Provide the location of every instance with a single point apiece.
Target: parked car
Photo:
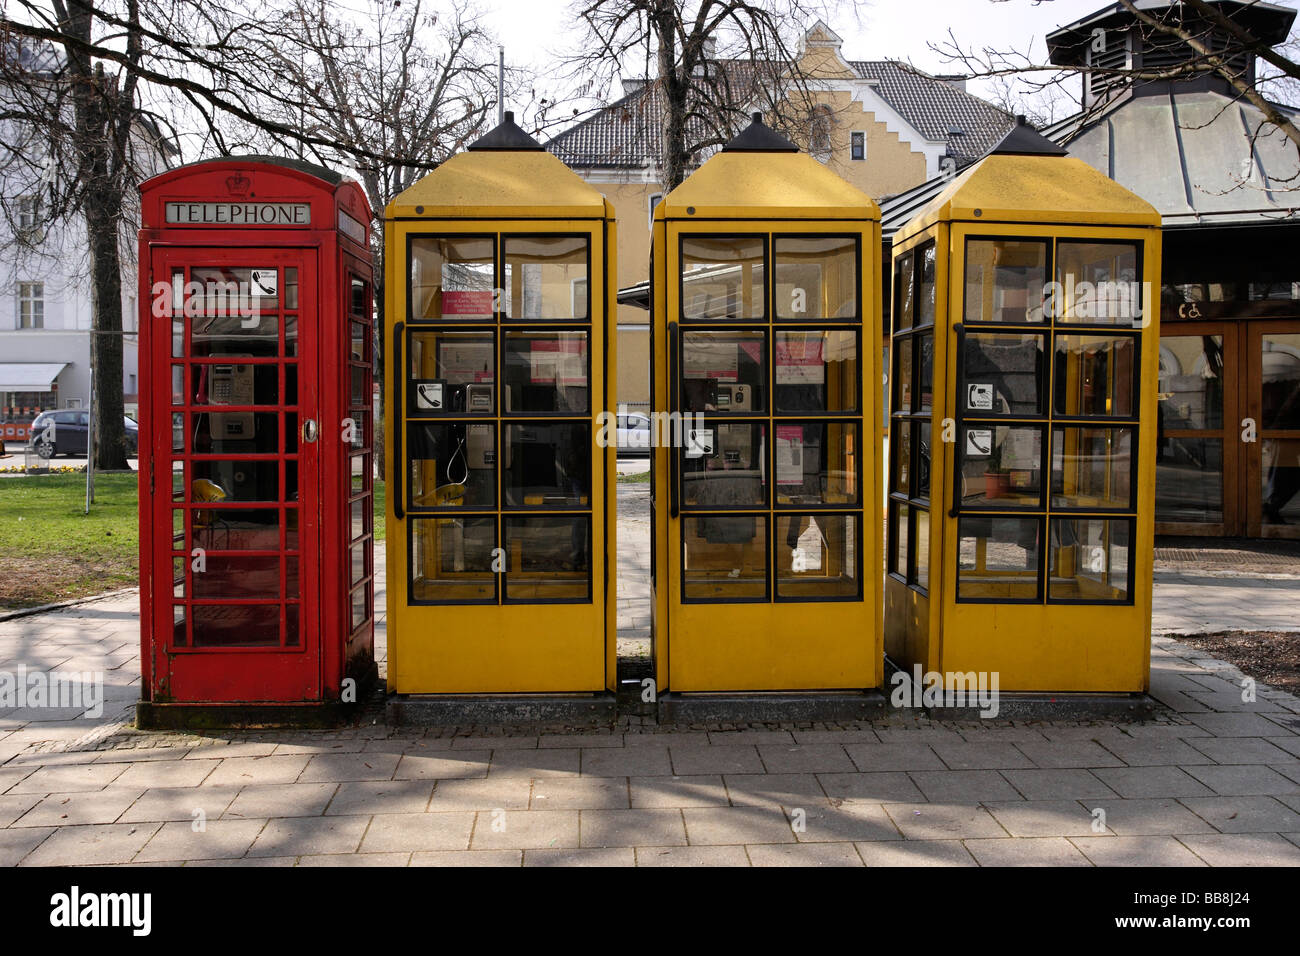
(633, 435)
(68, 436)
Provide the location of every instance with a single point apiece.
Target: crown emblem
(238, 183)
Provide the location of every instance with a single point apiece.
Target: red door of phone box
(256, 437)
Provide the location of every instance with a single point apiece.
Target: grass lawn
(50, 551)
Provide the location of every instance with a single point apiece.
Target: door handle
(674, 453)
(310, 431)
(959, 418)
(397, 372)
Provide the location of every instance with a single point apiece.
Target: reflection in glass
(1092, 468)
(819, 558)
(234, 480)
(1001, 466)
(1099, 282)
(899, 552)
(722, 277)
(904, 301)
(816, 463)
(900, 441)
(548, 558)
(1096, 375)
(452, 278)
(451, 559)
(1088, 560)
(902, 375)
(732, 474)
(922, 538)
(238, 577)
(816, 277)
(547, 465)
(921, 489)
(723, 371)
(546, 277)
(1189, 480)
(1191, 382)
(452, 372)
(1280, 459)
(816, 371)
(546, 372)
(242, 529)
(1280, 381)
(925, 370)
(1004, 373)
(234, 336)
(360, 552)
(235, 625)
(925, 286)
(724, 557)
(452, 465)
(997, 558)
(1005, 280)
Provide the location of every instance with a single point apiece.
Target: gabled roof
(625, 134)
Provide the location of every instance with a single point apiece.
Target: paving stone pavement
(1213, 780)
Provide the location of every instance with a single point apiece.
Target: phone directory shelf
(500, 507)
(1022, 427)
(257, 555)
(766, 537)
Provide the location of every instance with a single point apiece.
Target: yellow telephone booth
(1022, 428)
(766, 524)
(498, 311)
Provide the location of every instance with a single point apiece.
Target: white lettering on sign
(239, 213)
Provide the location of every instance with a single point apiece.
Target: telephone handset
(228, 384)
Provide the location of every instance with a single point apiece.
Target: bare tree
(1211, 38)
(714, 61)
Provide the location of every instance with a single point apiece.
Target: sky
(535, 31)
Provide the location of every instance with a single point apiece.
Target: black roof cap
(757, 138)
(1024, 140)
(507, 136)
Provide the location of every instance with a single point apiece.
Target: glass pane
(730, 473)
(292, 630)
(1099, 283)
(360, 510)
(1281, 478)
(362, 602)
(237, 577)
(452, 372)
(816, 463)
(1092, 468)
(900, 441)
(178, 481)
(243, 291)
(236, 625)
(921, 487)
(235, 433)
(925, 371)
(243, 529)
(547, 465)
(178, 431)
(903, 291)
(291, 335)
(360, 343)
(548, 558)
(921, 575)
(1088, 560)
(178, 577)
(724, 557)
(1005, 280)
(233, 336)
(819, 559)
(899, 552)
(291, 287)
(547, 372)
(452, 464)
(360, 469)
(1280, 380)
(451, 559)
(1004, 374)
(179, 636)
(233, 480)
(1191, 381)
(925, 287)
(816, 277)
(1096, 375)
(178, 338)
(722, 278)
(359, 300)
(546, 277)
(1001, 466)
(723, 371)
(997, 558)
(902, 375)
(452, 278)
(291, 575)
(1189, 480)
(359, 386)
(816, 371)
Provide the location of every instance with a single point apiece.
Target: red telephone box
(256, 439)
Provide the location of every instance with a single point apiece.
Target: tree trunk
(673, 128)
(106, 339)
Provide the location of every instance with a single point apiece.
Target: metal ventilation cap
(1024, 140)
(757, 138)
(507, 136)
